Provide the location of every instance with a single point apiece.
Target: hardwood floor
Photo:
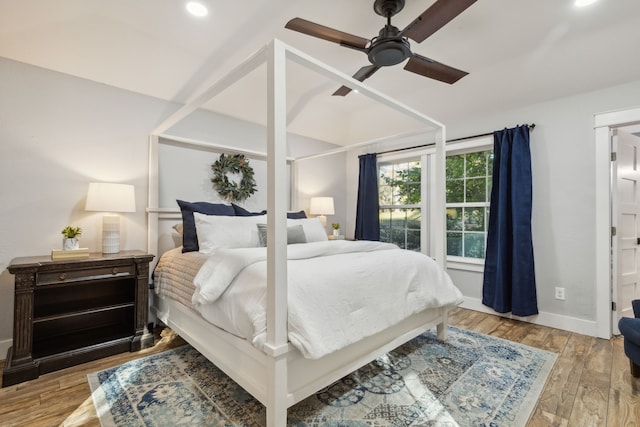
(590, 384)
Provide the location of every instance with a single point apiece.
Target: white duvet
(339, 291)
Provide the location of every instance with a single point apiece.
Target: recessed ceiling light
(197, 9)
(582, 3)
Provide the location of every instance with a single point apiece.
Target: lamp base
(111, 234)
(323, 220)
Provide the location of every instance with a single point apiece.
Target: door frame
(605, 123)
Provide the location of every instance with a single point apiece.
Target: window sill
(466, 264)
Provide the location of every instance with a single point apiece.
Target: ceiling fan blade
(435, 70)
(434, 18)
(316, 30)
(361, 75)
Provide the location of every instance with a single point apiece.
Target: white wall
(58, 133)
(563, 220)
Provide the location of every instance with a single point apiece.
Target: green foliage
(405, 184)
(233, 191)
(335, 226)
(70, 232)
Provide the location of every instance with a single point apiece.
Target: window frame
(427, 157)
(423, 158)
(471, 145)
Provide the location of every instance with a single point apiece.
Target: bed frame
(280, 376)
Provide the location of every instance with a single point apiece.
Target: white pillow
(218, 231)
(313, 228)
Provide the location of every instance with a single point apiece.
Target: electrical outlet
(560, 293)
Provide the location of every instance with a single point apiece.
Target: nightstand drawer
(65, 276)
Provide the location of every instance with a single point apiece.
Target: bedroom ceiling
(517, 52)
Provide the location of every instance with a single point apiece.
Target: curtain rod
(531, 126)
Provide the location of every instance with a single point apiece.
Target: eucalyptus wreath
(230, 190)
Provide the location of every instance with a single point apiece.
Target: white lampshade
(107, 197)
(321, 206)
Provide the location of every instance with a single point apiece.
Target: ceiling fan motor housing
(389, 48)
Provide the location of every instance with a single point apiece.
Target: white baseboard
(4, 348)
(571, 324)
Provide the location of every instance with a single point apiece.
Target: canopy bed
(274, 367)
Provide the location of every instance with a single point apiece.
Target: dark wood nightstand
(69, 312)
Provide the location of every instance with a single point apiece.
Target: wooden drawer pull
(62, 276)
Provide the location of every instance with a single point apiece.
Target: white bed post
(152, 198)
(439, 220)
(439, 223)
(277, 315)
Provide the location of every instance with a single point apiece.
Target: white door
(626, 211)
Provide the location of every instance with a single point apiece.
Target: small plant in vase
(70, 238)
(336, 228)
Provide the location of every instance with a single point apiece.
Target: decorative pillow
(178, 227)
(295, 234)
(189, 236)
(240, 211)
(296, 215)
(313, 229)
(218, 232)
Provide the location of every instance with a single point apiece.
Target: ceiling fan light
(197, 9)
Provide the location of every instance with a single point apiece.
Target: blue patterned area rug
(471, 380)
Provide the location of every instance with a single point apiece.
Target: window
(399, 187)
(468, 193)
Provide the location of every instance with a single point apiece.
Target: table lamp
(111, 199)
(321, 206)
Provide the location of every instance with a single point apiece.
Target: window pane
(385, 218)
(385, 170)
(474, 245)
(476, 190)
(455, 191)
(398, 237)
(398, 218)
(454, 244)
(454, 219)
(474, 219)
(455, 167)
(409, 193)
(476, 164)
(385, 195)
(415, 172)
(413, 240)
(413, 219)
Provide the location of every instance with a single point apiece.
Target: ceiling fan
(391, 46)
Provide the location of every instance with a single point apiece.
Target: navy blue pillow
(296, 215)
(240, 211)
(189, 235)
